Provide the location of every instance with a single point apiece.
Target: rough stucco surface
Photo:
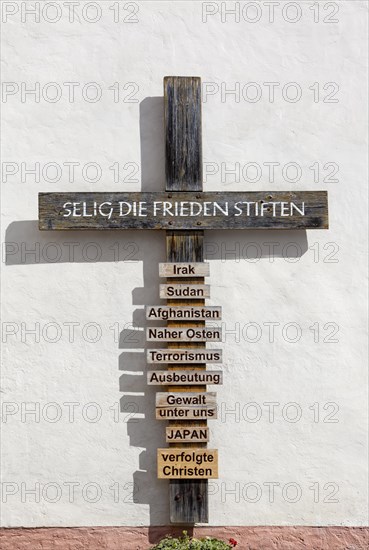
(291, 432)
(248, 538)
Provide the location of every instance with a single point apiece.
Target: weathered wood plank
(184, 210)
(185, 334)
(186, 434)
(184, 269)
(189, 313)
(183, 139)
(179, 463)
(180, 291)
(184, 356)
(188, 499)
(184, 377)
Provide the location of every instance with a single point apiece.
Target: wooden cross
(184, 211)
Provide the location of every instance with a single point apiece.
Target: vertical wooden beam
(183, 150)
(183, 143)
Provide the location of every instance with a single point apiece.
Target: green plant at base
(188, 543)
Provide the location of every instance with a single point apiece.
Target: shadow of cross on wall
(263, 210)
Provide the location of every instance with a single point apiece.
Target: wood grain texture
(188, 498)
(54, 215)
(183, 139)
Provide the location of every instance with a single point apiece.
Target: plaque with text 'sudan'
(180, 355)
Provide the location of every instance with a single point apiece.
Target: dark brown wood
(184, 211)
(183, 147)
(213, 210)
(188, 499)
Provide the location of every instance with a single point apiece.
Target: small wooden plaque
(183, 313)
(184, 356)
(187, 399)
(184, 377)
(187, 463)
(187, 434)
(183, 269)
(184, 334)
(185, 405)
(187, 292)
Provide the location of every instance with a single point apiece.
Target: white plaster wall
(102, 472)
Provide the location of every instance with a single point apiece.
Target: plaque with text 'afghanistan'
(184, 211)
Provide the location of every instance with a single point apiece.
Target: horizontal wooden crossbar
(184, 210)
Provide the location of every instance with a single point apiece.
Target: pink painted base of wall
(142, 538)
